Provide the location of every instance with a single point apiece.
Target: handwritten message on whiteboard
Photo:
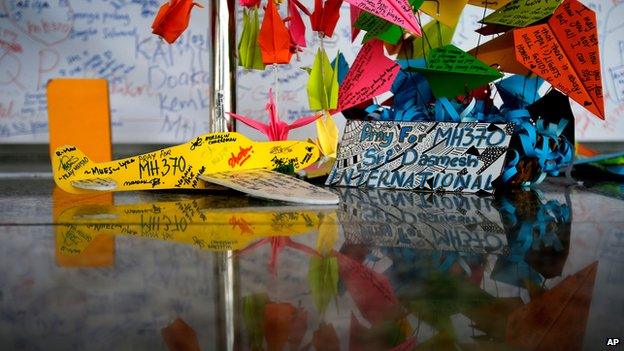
(462, 157)
(158, 92)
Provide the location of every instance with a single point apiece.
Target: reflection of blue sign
(431, 156)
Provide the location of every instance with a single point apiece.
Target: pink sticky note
(398, 12)
(371, 74)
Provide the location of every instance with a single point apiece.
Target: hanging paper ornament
(172, 19)
(323, 84)
(295, 25)
(274, 38)
(325, 16)
(249, 54)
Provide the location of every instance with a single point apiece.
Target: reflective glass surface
(383, 270)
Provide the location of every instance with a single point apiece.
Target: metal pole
(223, 92)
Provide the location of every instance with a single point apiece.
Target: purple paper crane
(276, 129)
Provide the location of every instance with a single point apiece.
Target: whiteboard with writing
(293, 101)
(158, 92)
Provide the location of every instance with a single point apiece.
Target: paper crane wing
(437, 35)
(323, 84)
(172, 19)
(521, 13)
(565, 53)
(447, 12)
(398, 12)
(274, 38)
(452, 72)
(371, 74)
(259, 126)
(296, 26)
(249, 54)
(500, 52)
(325, 16)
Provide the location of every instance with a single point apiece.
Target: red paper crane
(274, 38)
(276, 129)
(172, 19)
(325, 16)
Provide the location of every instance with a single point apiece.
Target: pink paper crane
(276, 129)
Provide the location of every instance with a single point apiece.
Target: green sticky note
(452, 72)
(521, 13)
(323, 84)
(249, 54)
(436, 34)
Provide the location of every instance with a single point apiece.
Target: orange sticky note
(79, 113)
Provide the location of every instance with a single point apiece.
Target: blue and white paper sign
(430, 156)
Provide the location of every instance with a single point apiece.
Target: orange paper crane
(274, 38)
(564, 51)
(172, 19)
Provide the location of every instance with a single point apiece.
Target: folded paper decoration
(500, 52)
(377, 27)
(295, 25)
(371, 74)
(323, 83)
(276, 129)
(172, 19)
(521, 13)
(399, 12)
(354, 13)
(178, 166)
(490, 4)
(274, 38)
(249, 54)
(564, 52)
(452, 72)
(325, 16)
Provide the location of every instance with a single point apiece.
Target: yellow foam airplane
(228, 159)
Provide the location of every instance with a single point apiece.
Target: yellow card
(177, 167)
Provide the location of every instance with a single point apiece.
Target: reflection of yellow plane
(186, 221)
(218, 155)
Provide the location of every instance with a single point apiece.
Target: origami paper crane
(276, 129)
(371, 74)
(249, 54)
(325, 16)
(278, 243)
(399, 12)
(564, 51)
(296, 28)
(521, 13)
(172, 19)
(452, 72)
(323, 83)
(274, 38)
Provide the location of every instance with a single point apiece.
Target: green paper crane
(323, 83)
(249, 54)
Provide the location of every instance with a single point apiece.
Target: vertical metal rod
(223, 92)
